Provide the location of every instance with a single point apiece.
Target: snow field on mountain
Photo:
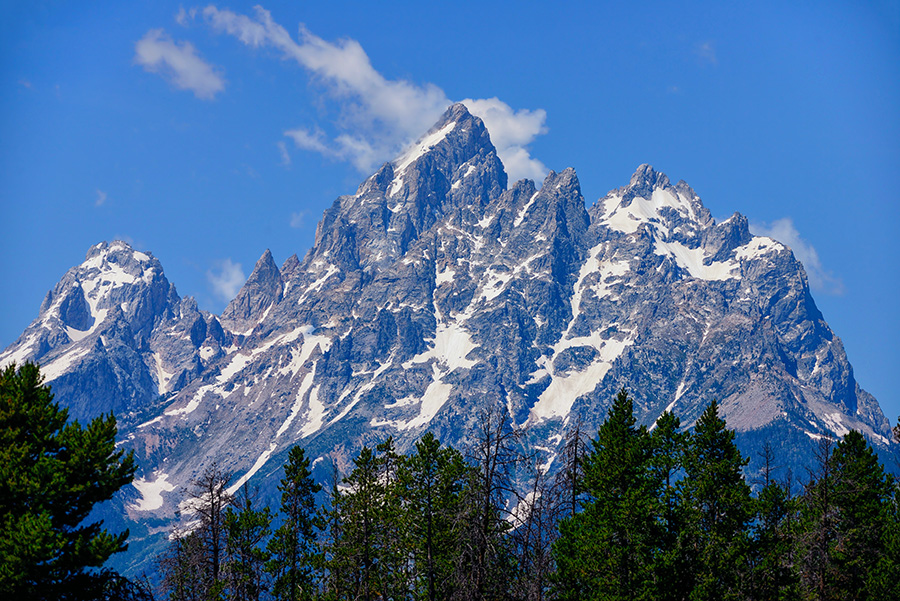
(414, 153)
(151, 492)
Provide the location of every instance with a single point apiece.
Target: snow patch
(298, 402)
(757, 247)
(414, 153)
(151, 492)
(692, 259)
(524, 210)
(451, 345)
(564, 389)
(260, 461)
(446, 275)
(834, 422)
(63, 363)
(162, 376)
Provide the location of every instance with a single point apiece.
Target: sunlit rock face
(440, 287)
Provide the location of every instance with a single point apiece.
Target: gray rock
(435, 290)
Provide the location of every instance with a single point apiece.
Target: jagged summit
(262, 289)
(454, 165)
(435, 290)
(650, 199)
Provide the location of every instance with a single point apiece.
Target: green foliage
(292, 547)
(246, 529)
(717, 509)
(773, 542)
(606, 552)
(433, 480)
(659, 514)
(862, 491)
(52, 473)
(671, 564)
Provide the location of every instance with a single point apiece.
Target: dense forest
(635, 513)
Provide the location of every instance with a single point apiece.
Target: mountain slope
(437, 289)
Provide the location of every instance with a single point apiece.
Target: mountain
(434, 290)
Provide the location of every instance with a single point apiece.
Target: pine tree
(52, 474)
(246, 528)
(718, 509)
(606, 552)
(771, 574)
(667, 465)
(883, 582)
(364, 559)
(292, 547)
(862, 497)
(433, 479)
(817, 532)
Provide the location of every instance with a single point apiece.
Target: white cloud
(784, 231)
(309, 140)
(101, 198)
(298, 220)
(707, 52)
(378, 117)
(511, 131)
(226, 279)
(177, 62)
(184, 17)
(283, 151)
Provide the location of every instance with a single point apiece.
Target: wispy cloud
(100, 199)
(783, 230)
(511, 131)
(225, 279)
(706, 51)
(179, 63)
(376, 117)
(298, 219)
(285, 155)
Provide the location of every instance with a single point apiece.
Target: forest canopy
(634, 513)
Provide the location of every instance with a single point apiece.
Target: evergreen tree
(363, 559)
(292, 547)
(246, 528)
(718, 509)
(862, 497)
(606, 552)
(772, 575)
(667, 466)
(52, 474)
(433, 479)
(883, 581)
(817, 532)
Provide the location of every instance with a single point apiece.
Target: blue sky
(208, 133)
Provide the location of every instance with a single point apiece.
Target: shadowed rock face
(262, 289)
(435, 289)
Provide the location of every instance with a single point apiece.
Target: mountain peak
(457, 137)
(262, 289)
(650, 198)
(453, 165)
(646, 177)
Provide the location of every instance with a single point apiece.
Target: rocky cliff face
(437, 289)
